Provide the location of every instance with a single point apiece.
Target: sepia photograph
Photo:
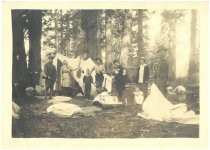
(105, 73)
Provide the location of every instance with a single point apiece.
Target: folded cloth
(59, 99)
(64, 110)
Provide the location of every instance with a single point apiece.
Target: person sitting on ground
(50, 73)
(99, 77)
(88, 80)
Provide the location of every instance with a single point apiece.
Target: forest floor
(112, 122)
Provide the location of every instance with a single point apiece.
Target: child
(88, 80)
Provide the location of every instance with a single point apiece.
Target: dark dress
(120, 80)
(88, 80)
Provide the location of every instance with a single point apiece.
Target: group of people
(68, 74)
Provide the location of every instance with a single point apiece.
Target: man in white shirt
(143, 76)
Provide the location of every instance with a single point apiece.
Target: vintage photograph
(105, 73)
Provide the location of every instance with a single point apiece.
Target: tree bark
(35, 32)
(140, 34)
(172, 52)
(56, 31)
(193, 73)
(89, 25)
(62, 40)
(126, 43)
(19, 66)
(108, 55)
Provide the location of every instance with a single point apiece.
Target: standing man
(161, 72)
(50, 73)
(143, 76)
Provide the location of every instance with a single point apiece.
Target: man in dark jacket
(143, 73)
(50, 73)
(120, 79)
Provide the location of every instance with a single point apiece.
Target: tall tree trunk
(172, 53)
(193, 73)
(140, 34)
(62, 40)
(126, 42)
(108, 50)
(56, 31)
(89, 25)
(19, 65)
(92, 35)
(35, 31)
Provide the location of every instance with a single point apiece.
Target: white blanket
(64, 109)
(157, 107)
(59, 99)
(105, 99)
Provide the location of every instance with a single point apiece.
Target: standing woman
(143, 76)
(66, 82)
(99, 77)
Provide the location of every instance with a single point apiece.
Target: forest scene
(126, 36)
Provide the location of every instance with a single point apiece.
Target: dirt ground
(112, 122)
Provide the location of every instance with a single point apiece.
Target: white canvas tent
(157, 107)
(84, 64)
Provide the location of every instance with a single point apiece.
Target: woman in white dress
(66, 81)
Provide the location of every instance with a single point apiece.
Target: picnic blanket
(157, 107)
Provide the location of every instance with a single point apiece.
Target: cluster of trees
(109, 34)
(26, 25)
